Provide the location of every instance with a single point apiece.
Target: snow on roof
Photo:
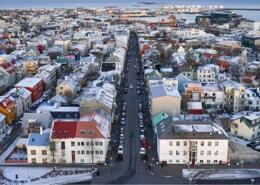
(23, 92)
(212, 88)
(159, 90)
(55, 108)
(28, 82)
(36, 139)
(2, 117)
(203, 128)
(194, 106)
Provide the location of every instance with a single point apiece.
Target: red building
(35, 85)
(195, 108)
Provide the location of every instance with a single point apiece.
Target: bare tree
(53, 150)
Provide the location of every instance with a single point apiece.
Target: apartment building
(191, 142)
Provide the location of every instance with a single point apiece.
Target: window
(202, 143)
(87, 152)
(216, 153)
(216, 143)
(177, 152)
(33, 160)
(78, 152)
(44, 160)
(82, 160)
(82, 152)
(72, 143)
(184, 153)
(170, 152)
(44, 152)
(97, 152)
(177, 143)
(87, 143)
(63, 153)
(201, 161)
(78, 143)
(209, 143)
(201, 152)
(101, 152)
(63, 145)
(96, 143)
(170, 143)
(101, 143)
(185, 143)
(209, 153)
(82, 143)
(33, 152)
(215, 161)
(177, 161)
(208, 161)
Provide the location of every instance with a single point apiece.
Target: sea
(50, 4)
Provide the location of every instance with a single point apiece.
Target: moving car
(120, 149)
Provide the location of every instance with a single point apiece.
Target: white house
(38, 148)
(207, 73)
(246, 125)
(213, 96)
(164, 99)
(191, 142)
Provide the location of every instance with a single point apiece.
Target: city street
(132, 169)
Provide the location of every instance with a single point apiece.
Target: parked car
(142, 137)
(142, 151)
(144, 144)
(121, 136)
(120, 149)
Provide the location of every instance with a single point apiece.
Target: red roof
(7, 67)
(88, 130)
(6, 102)
(64, 129)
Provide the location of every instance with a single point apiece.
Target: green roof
(62, 60)
(159, 117)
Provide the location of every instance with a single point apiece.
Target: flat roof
(28, 82)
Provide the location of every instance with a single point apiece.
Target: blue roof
(36, 139)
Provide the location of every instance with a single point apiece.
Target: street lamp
(252, 181)
(111, 164)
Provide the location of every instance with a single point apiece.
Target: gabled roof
(36, 139)
(64, 129)
(88, 130)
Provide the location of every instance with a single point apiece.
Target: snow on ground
(44, 175)
(218, 174)
(24, 173)
(9, 150)
(238, 140)
(62, 180)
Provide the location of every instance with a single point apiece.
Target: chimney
(41, 131)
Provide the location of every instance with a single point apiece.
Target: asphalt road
(132, 170)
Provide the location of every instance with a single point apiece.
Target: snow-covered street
(220, 174)
(43, 175)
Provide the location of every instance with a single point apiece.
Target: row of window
(43, 152)
(87, 143)
(202, 143)
(44, 160)
(185, 152)
(201, 161)
(88, 152)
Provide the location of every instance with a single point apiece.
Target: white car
(121, 136)
(142, 151)
(131, 86)
(120, 149)
(142, 137)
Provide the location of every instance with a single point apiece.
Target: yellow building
(8, 108)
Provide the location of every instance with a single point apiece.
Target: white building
(38, 148)
(213, 96)
(250, 25)
(164, 99)
(2, 123)
(191, 142)
(207, 73)
(246, 125)
(234, 96)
